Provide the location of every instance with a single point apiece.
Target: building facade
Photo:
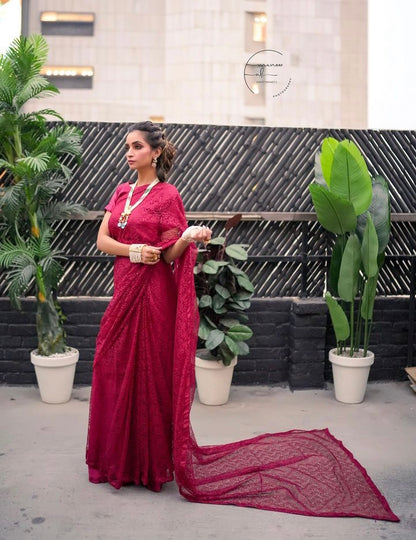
(295, 63)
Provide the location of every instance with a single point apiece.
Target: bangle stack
(135, 252)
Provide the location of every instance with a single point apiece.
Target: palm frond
(17, 253)
(6, 97)
(27, 55)
(45, 112)
(37, 163)
(19, 278)
(52, 272)
(40, 45)
(63, 210)
(68, 140)
(12, 198)
(49, 185)
(7, 81)
(36, 87)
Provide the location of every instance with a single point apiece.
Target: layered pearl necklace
(124, 216)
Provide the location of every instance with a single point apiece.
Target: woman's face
(139, 153)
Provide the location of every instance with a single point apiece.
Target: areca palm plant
(36, 162)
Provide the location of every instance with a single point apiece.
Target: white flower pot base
(350, 376)
(213, 380)
(55, 375)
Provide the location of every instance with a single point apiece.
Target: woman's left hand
(197, 233)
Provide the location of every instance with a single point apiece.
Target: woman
(130, 432)
(143, 379)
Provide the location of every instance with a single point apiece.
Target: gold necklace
(124, 216)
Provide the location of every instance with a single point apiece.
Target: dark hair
(155, 137)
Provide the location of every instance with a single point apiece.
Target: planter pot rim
(213, 364)
(69, 357)
(351, 361)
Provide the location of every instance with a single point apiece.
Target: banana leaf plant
(223, 292)
(355, 208)
(36, 162)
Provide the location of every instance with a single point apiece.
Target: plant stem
(51, 336)
(352, 328)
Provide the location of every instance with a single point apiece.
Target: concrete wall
(290, 343)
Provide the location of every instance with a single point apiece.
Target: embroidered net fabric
(143, 388)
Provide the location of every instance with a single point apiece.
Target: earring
(154, 162)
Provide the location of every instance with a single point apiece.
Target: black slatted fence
(261, 172)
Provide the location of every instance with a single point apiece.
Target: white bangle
(135, 252)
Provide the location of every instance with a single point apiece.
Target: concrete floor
(45, 493)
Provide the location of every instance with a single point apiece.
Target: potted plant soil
(36, 162)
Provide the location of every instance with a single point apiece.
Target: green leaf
(242, 295)
(338, 318)
(319, 177)
(214, 339)
(37, 163)
(232, 345)
(241, 305)
(212, 267)
(210, 323)
(237, 271)
(226, 354)
(335, 264)
(350, 178)
(350, 268)
(236, 251)
(222, 291)
(334, 214)
(218, 303)
(229, 322)
(243, 348)
(380, 213)
(240, 332)
(204, 329)
(205, 301)
(369, 248)
(369, 294)
(245, 283)
(218, 241)
(329, 146)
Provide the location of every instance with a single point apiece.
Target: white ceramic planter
(55, 375)
(350, 375)
(213, 380)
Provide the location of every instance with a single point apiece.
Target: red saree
(143, 388)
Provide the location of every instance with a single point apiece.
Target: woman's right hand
(150, 255)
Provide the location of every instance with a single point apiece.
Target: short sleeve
(113, 201)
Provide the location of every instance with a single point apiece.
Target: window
(56, 23)
(259, 27)
(69, 76)
(255, 31)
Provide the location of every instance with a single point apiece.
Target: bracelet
(135, 252)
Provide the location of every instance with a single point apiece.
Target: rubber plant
(224, 292)
(36, 161)
(355, 208)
